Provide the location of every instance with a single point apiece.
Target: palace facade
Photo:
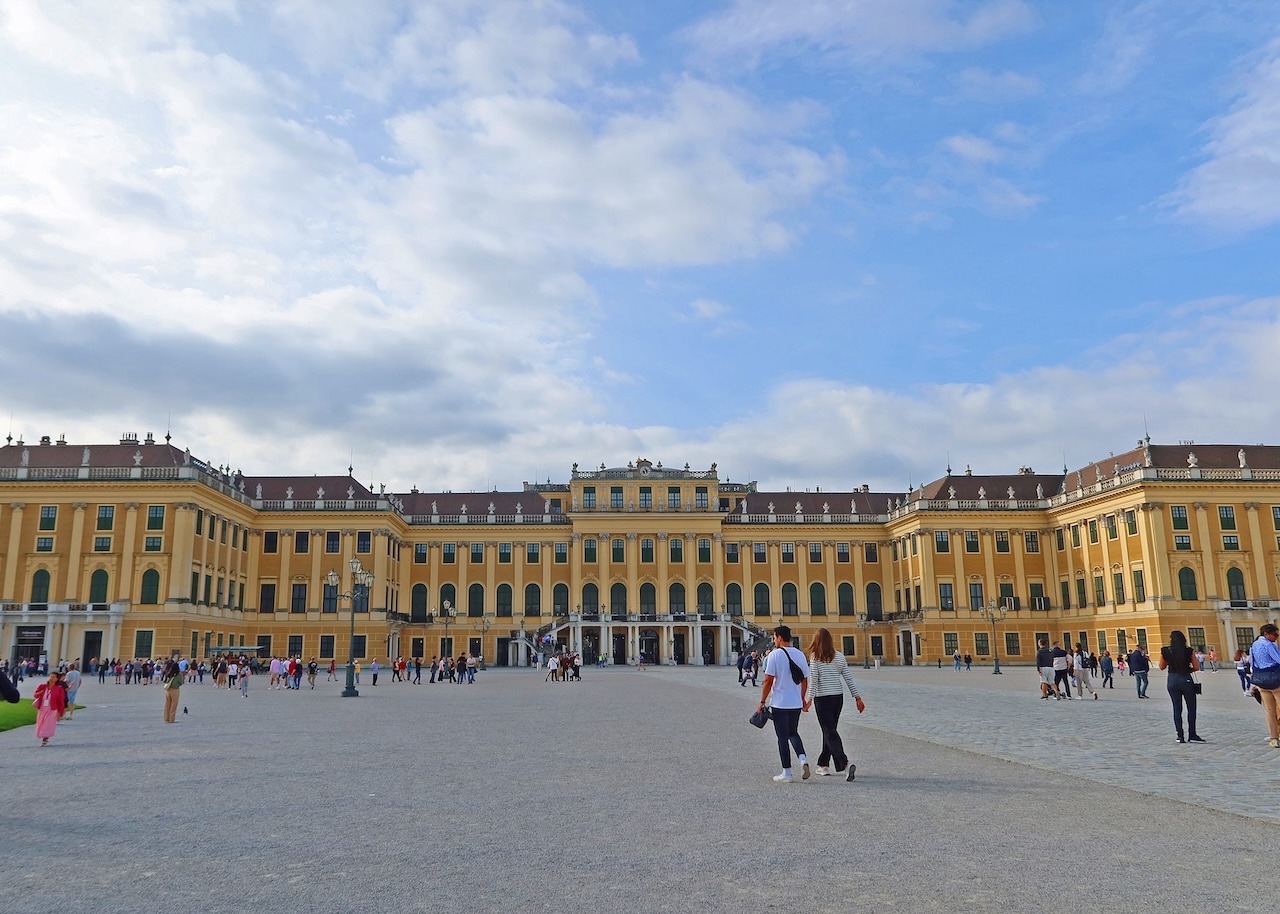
(139, 549)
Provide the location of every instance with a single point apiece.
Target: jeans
(828, 708)
(1141, 679)
(786, 724)
(1106, 681)
(1244, 680)
(1183, 688)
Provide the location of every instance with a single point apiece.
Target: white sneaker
(785, 778)
(823, 771)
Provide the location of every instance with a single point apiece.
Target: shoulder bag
(1267, 677)
(761, 717)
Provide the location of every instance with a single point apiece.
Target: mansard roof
(1176, 456)
(66, 456)
(968, 487)
(305, 488)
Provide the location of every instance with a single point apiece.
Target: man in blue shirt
(1140, 666)
(1265, 655)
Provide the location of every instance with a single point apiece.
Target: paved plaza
(643, 790)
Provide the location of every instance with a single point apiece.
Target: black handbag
(762, 716)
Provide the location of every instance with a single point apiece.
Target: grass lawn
(22, 714)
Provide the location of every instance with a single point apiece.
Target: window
(1187, 589)
(1112, 531)
(477, 553)
(615, 497)
(475, 601)
(704, 550)
(532, 600)
(1226, 517)
(788, 553)
(1075, 536)
(733, 599)
(1082, 593)
(142, 642)
(870, 554)
(358, 646)
(760, 553)
(333, 543)
(560, 599)
(448, 553)
(419, 553)
(1002, 541)
(503, 598)
(364, 542)
(1099, 590)
(790, 600)
(701, 498)
(326, 647)
(976, 599)
(971, 541)
(1235, 587)
(329, 599)
(706, 599)
(946, 598)
(49, 521)
(106, 517)
(1182, 542)
(1031, 539)
(267, 598)
(588, 496)
(1139, 587)
(1093, 531)
(301, 542)
(102, 544)
(199, 522)
(942, 540)
(648, 600)
(762, 600)
(1060, 536)
(271, 542)
(155, 517)
(982, 644)
(1007, 598)
(677, 549)
(1066, 594)
(1178, 513)
(950, 642)
(150, 587)
(849, 645)
(893, 550)
(844, 599)
(1141, 635)
(1131, 522)
(299, 602)
(1012, 644)
(618, 550)
(1117, 584)
(818, 599)
(646, 496)
(532, 553)
(731, 553)
(1038, 599)
(1275, 521)
(589, 550)
(673, 496)
(646, 550)
(222, 528)
(815, 553)
(875, 602)
(504, 553)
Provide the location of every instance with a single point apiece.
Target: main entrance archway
(650, 646)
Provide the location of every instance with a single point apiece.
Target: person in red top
(50, 700)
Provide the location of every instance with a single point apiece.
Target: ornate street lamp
(994, 612)
(447, 613)
(361, 581)
(865, 624)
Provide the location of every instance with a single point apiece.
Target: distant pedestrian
(244, 681)
(1140, 666)
(50, 700)
(1108, 668)
(955, 661)
(1084, 676)
(312, 669)
(1180, 662)
(373, 670)
(333, 671)
(417, 671)
(72, 680)
(829, 676)
(968, 662)
(1061, 671)
(172, 679)
(1243, 670)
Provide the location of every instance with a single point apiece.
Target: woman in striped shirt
(828, 676)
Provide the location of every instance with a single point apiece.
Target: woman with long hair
(50, 700)
(829, 675)
(1180, 662)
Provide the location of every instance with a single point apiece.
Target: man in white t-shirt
(786, 696)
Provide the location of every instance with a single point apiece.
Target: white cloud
(866, 31)
(974, 150)
(977, 84)
(1237, 188)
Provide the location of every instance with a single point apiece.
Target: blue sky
(467, 244)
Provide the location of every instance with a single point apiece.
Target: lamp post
(446, 613)
(865, 624)
(485, 625)
(361, 581)
(994, 612)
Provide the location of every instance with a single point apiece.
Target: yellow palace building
(139, 549)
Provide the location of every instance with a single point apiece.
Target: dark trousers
(1141, 680)
(1063, 678)
(786, 724)
(1183, 688)
(828, 708)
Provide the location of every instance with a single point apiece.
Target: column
(12, 589)
(181, 551)
(71, 578)
(1261, 579)
(1208, 572)
(124, 586)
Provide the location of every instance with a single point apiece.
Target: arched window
(503, 600)
(762, 600)
(590, 598)
(618, 599)
(418, 603)
(40, 587)
(817, 599)
(733, 599)
(1235, 586)
(844, 599)
(475, 600)
(532, 600)
(706, 599)
(648, 599)
(1187, 584)
(560, 600)
(150, 587)
(98, 586)
(875, 609)
(675, 601)
(790, 600)
(448, 594)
